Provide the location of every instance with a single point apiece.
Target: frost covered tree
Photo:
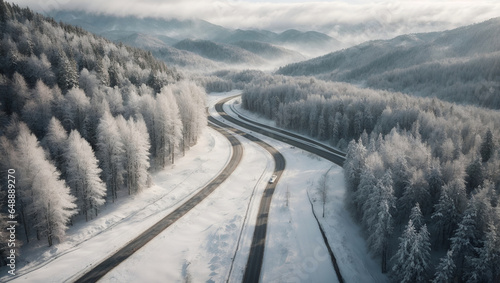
(379, 218)
(487, 147)
(406, 241)
(20, 93)
(401, 176)
(412, 259)
(89, 82)
(353, 168)
(416, 191)
(445, 218)
(323, 190)
(37, 111)
(110, 151)
(67, 72)
(168, 127)
(475, 176)
(466, 240)
(136, 146)
(191, 101)
(83, 175)
(416, 217)
(445, 270)
(75, 108)
(486, 265)
(45, 202)
(55, 142)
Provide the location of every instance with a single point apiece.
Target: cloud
(353, 21)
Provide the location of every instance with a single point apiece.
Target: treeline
(421, 173)
(227, 80)
(83, 119)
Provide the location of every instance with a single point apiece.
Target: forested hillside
(83, 121)
(219, 52)
(460, 65)
(422, 175)
(269, 51)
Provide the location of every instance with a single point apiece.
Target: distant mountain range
(460, 65)
(199, 37)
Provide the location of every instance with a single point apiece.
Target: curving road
(255, 259)
(331, 154)
(114, 260)
(254, 263)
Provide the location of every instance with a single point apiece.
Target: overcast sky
(332, 17)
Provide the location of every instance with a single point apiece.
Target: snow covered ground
(89, 243)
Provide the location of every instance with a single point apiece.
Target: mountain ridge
(405, 62)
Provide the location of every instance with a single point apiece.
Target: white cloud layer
(354, 21)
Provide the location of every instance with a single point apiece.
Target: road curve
(333, 155)
(122, 254)
(290, 134)
(252, 273)
(255, 259)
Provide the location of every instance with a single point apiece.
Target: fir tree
(46, 204)
(487, 147)
(465, 240)
(67, 73)
(55, 142)
(110, 152)
(136, 146)
(83, 175)
(413, 256)
(445, 270)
